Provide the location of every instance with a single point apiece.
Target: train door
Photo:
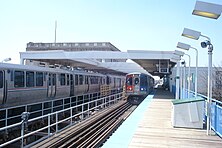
(71, 85)
(87, 83)
(136, 84)
(51, 88)
(2, 88)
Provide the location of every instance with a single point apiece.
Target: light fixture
(208, 10)
(191, 33)
(183, 46)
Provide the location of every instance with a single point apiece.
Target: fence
(215, 110)
(73, 117)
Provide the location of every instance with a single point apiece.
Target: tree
(216, 82)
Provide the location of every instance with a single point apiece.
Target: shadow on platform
(161, 93)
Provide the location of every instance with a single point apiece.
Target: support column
(178, 81)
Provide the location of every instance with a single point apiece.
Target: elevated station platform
(150, 126)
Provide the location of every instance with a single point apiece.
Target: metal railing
(12, 115)
(216, 111)
(53, 119)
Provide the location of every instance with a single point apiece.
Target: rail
(216, 111)
(53, 119)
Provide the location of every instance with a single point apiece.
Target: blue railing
(216, 109)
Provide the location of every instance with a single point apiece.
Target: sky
(127, 24)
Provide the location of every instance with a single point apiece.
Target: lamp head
(208, 10)
(183, 46)
(189, 33)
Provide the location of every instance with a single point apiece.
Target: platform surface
(150, 126)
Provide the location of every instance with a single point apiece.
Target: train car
(115, 82)
(24, 84)
(138, 86)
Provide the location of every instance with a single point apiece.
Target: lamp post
(177, 57)
(187, 47)
(182, 81)
(195, 35)
(213, 11)
(188, 84)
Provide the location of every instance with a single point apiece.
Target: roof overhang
(154, 62)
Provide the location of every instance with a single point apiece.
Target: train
(25, 84)
(138, 86)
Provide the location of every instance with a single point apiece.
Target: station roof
(157, 63)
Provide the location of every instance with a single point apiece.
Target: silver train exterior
(138, 86)
(24, 84)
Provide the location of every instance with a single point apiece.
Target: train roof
(44, 69)
(139, 73)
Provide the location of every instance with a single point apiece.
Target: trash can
(188, 112)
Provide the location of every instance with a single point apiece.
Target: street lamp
(188, 87)
(195, 35)
(213, 11)
(6, 60)
(187, 47)
(182, 81)
(208, 10)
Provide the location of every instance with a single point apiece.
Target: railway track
(92, 132)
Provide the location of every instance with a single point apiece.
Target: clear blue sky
(127, 24)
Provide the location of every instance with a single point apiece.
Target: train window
(62, 79)
(101, 80)
(80, 79)
(12, 75)
(1, 79)
(129, 81)
(49, 79)
(92, 80)
(19, 80)
(86, 79)
(108, 80)
(104, 81)
(136, 81)
(39, 79)
(143, 81)
(45, 74)
(54, 79)
(95, 80)
(29, 79)
(67, 77)
(76, 80)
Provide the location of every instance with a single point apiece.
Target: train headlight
(143, 89)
